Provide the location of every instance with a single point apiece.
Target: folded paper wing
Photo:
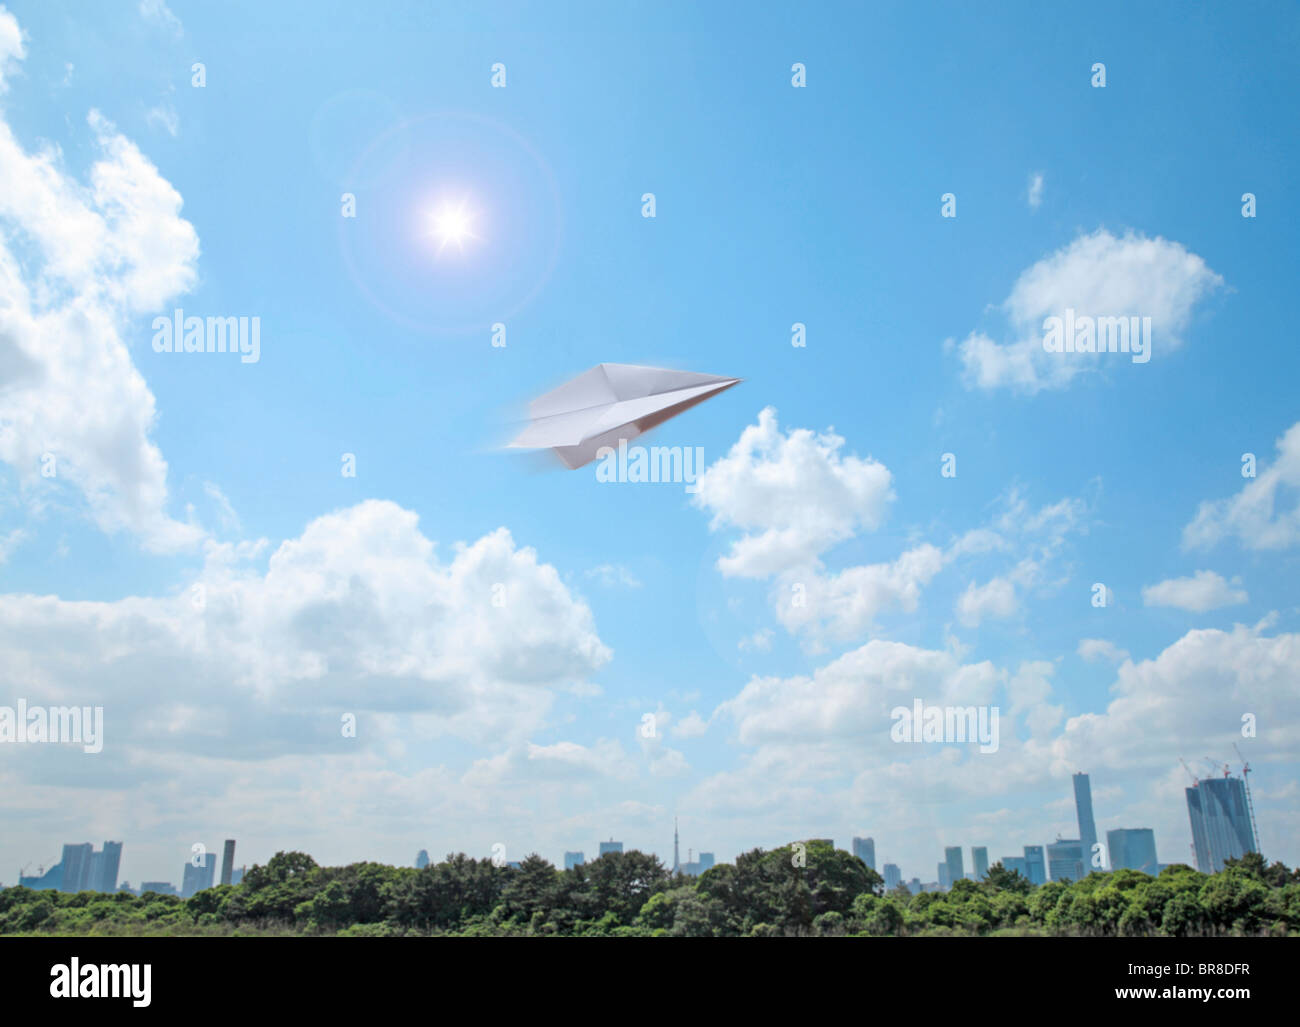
(609, 403)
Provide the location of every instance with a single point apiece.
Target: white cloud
(164, 116)
(1035, 195)
(794, 495)
(690, 726)
(1252, 516)
(354, 615)
(996, 599)
(612, 575)
(1030, 691)
(759, 641)
(1191, 699)
(1093, 649)
(10, 542)
(1097, 275)
(1200, 593)
(845, 604)
(157, 12)
(78, 264)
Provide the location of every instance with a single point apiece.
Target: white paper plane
(609, 403)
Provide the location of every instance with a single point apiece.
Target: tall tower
(676, 865)
(1087, 826)
(228, 861)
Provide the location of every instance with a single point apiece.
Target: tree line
(809, 890)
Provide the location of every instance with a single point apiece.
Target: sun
(452, 224)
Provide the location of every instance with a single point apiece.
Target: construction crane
(1227, 772)
(1195, 780)
(1245, 777)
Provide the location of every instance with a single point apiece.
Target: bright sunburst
(452, 224)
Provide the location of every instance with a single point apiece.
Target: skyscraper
(1065, 860)
(952, 856)
(693, 868)
(610, 846)
(1016, 863)
(1035, 864)
(198, 878)
(1133, 849)
(1220, 819)
(110, 861)
(677, 863)
(979, 854)
(228, 861)
(1087, 826)
(865, 850)
(893, 876)
(573, 859)
(421, 859)
(945, 877)
(76, 867)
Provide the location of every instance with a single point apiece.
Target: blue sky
(127, 192)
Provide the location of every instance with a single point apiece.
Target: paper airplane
(609, 403)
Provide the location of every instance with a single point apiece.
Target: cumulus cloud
(792, 494)
(844, 604)
(1097, 275)
(995, 599)
(356, 614)
(1264, 515)
(1191, 699)
(1200, 593)
(78, 264)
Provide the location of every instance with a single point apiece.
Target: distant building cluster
(84, 869)
(1223, 828)
(1220, 809)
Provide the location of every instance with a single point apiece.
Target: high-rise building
(1016, 863)
(421, 859)
(1087, 826)
(237, 875)
(865, 850)
(697, 867)
(677, 863)
(76, 867)
(893, 876)
(945, 877)
(573, 859)
(952, 856)
(979, 855)
(1035, 864)
(110, 862)
(1133, 849)
(610, 846)
(228, 861)
(198, 878)
(1065, 860)
(81, 869)
(1220, 816)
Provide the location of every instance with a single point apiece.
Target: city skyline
(1225, 831)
